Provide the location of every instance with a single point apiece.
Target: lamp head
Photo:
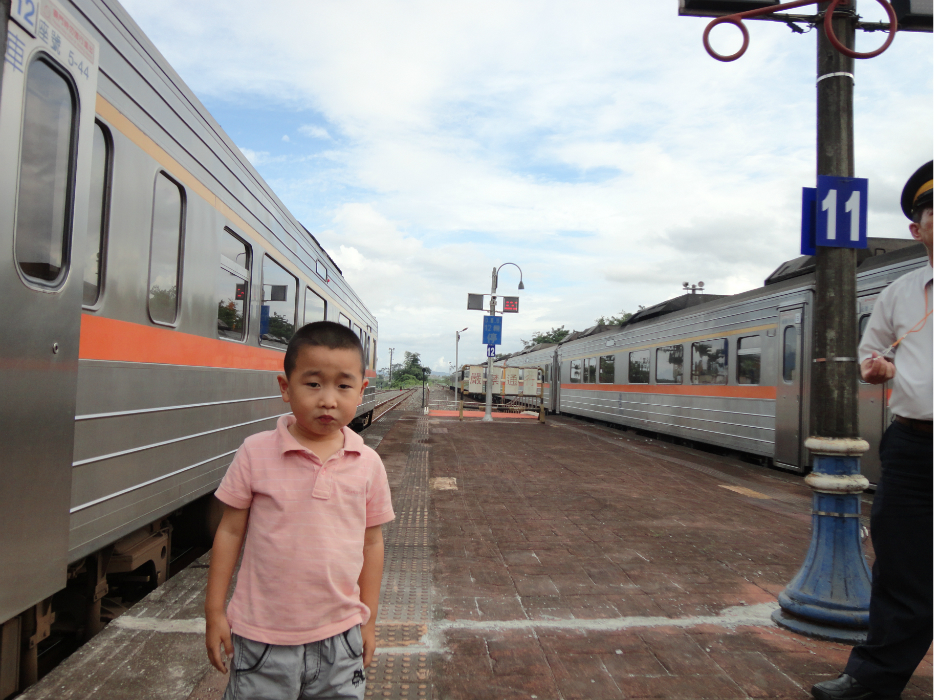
(521, 286)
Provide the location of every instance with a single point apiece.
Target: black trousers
(900, 615)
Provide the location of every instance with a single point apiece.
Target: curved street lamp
(488, 415)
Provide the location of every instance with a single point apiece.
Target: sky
(594, 144)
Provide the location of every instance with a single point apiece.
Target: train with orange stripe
(731, 371)
(150, 281)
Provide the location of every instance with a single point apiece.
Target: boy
(302, 620)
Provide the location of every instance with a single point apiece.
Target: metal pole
(829, 597)
(390, 366)
(488, 416)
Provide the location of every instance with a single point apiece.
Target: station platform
(545, 561)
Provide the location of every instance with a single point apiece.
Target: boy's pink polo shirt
(304, 544)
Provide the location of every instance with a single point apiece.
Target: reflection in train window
(607, 369)
(232, 287)
(863, 322)
(749, 360)
(789, 353)
(590, 370)
(575, 371)
(101, 168)
(709, 361)
(165, 255)
(46, 175)
(277, 314)
(316, 308)
(669, 364)
(358, 331)
(639, 367)
(344, 321)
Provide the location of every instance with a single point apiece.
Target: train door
(788, 440)
(555, 383)
(46, 136)
(871, 399)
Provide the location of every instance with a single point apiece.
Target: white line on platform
(160, 624)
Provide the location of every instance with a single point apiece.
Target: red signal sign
(510, 305)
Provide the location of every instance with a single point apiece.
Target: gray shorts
(331, 668)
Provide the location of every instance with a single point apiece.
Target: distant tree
(616, 320)
(555, 335)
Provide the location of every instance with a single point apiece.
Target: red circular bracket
(850, 53)
(731, 20)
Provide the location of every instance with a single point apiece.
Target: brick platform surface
(556, 561)
(578, 561)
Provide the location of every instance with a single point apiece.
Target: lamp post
(457, 340)
(391, 351)
(488, 416)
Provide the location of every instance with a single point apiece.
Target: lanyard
(914, 329)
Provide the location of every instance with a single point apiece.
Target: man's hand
(876, 369)
(368, 631)
(216, 636)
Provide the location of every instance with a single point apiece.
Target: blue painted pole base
(829, 596)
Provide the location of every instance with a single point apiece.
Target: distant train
(731, 371)
(150, 281)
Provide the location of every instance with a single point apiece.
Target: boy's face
(323, 390)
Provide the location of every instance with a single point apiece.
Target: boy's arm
(371, 575)
(227, 543)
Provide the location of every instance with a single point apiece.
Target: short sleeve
(235, 489)
(879, 333)
(378, 499)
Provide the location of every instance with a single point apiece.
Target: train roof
(875, 248)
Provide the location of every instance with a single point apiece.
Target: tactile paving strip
(405, 596)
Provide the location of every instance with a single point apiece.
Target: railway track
(390, 403)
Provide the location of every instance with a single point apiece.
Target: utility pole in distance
(391, 350)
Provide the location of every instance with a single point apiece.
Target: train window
(277, 314)
(607, 369)
(789, 353)
(101, 170)
(232, 288)
(321, 270)
(358, 331)
(46, 175)
(863, 322)
(344, 321)
(575, 371)
(639, 367)
(669, 364)
(590, 370)
(749, 360)
(165, 254)
(374, 355)
(709, 361)
(316, 308)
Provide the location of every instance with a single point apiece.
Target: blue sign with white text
(492, 330)
(491, 351)
(840, 209)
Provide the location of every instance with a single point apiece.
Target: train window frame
(179, 263)
(324, 302)
(698, 372)
(575, 367)
(670, 349)
(341, 318)
(647, 368)
(104, 228)
(611, 361)
(262, 297)
(68, 201)
(785, 379)
(234, 268)
(748, 352)
(860, 330)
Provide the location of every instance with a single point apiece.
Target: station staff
(897, 347)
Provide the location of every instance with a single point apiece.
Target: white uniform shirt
(897, 310)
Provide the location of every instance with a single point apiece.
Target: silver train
(731, 371)
(150, 280)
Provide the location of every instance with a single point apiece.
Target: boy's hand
(368, 631)
(217, 635)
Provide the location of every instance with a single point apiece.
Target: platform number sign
(840, 210)
(25, 14)
(491, 351)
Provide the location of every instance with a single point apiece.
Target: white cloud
(285, 138)
(605, 153)
(315, 132)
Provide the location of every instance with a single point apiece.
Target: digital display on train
(510, 305)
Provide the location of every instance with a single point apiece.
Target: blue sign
(264, 319)
(491, 351)
(840, 209)
(493, 330)
(808, 220)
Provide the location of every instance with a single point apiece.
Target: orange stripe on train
(734, 392)
(121, 341)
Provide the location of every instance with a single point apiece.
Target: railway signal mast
(829, 597)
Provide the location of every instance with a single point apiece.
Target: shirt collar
(288, 443)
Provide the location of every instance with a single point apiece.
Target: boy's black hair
(322, 334)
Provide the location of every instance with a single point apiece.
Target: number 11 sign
(841, 211)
